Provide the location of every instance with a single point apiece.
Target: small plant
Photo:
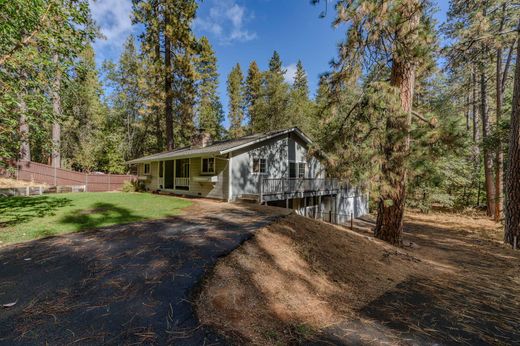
(132, 186)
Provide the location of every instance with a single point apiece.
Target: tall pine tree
(235, 90)
(252, 94)
(273, 104)
(396, 35)
(209, 109)
(301, 110)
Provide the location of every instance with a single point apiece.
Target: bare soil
(306, 281)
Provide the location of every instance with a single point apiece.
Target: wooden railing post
(261, 189)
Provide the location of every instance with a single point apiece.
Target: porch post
(174, 174)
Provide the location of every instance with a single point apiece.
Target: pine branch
(422, 118)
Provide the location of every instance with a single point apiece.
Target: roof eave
(162, 158)
(259, 140)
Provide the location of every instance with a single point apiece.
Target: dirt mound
(298, 276)
(301, 280)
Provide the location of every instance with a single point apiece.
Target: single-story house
(274, 168)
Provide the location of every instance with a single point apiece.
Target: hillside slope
(302, 280)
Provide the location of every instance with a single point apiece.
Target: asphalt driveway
(123, 284)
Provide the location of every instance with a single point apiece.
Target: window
(208, 165)
(292, 169)
(260, 166)
(301, 170)
(297, 169)
(146, 168)
(160, 169)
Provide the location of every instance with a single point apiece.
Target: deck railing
(184, 182)
(270, 186)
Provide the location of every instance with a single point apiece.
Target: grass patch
(26, 218)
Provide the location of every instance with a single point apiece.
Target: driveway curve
(123, 284)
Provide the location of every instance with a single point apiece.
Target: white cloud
(113, 18)
(290, 71)
(226, 21)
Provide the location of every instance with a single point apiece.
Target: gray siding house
(273, 168)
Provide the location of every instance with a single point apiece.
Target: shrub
(131, 186)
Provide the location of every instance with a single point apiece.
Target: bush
(132, 186)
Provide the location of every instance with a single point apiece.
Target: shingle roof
(218, 147)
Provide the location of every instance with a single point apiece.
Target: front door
(168, 174)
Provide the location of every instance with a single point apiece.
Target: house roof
(220, 147)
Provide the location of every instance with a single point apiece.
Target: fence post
(41, 192)
(351, 221)
(27, 190)
(109, 182)
(55, 176)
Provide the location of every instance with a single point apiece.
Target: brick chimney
(201, 139)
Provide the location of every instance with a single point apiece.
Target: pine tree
(512, 191)
(301, 110)
(397, 36)
(132, 101)
(209, 108)
(169, 41)
(252, 94)
(480, 34)
(273, 104)
(235, 90)
(300, 84)
(34, 33)
(85, 116)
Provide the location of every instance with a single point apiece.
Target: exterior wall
(298, 152)
(217, 190)
(353, 201)
(243, 180)
(205, 189)
(278, 152)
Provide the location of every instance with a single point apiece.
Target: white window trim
(253, 166)
(202, 165)
(297, 164)
(304, 169)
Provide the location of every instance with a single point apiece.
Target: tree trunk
(488, 156)
(389, 223)
(391, 205)
(499, 154)
(56, 108)
(25, 148)
(512, 193)
(168, 105)
(476, 134)
(157, 110)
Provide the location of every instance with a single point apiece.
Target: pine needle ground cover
(300, 279)
(26, 218)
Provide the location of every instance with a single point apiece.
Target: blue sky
(241, 31)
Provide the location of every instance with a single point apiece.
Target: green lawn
(25, 218)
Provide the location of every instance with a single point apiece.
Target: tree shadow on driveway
(123, 284)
